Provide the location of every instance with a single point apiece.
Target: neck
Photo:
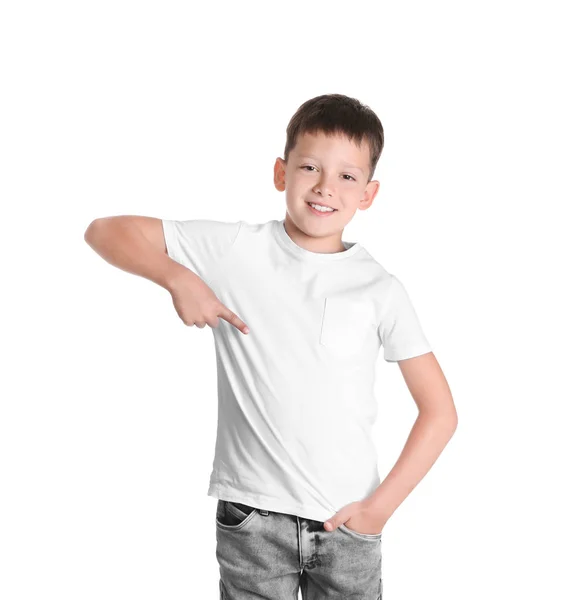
(323, 245)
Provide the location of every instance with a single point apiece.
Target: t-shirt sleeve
(199, 244)
(399, 330)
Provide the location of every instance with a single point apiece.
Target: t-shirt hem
(263, 502)
(171, 240)
(410, 353)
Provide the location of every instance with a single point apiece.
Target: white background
(178, 110)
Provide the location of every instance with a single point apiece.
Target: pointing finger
(232, 318)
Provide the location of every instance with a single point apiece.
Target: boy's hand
(196, 304)
(359, 516)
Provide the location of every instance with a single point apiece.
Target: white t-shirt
(295, 395)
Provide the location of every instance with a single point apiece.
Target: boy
(300, 502)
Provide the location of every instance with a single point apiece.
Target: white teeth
(321, 208)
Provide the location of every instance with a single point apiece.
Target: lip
(319, 213)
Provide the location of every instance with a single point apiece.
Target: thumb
(344, 514)
(332, 523)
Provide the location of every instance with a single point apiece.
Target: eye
(312, 167)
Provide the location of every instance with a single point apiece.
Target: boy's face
(326, 170)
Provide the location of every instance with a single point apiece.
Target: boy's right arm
(137, 245)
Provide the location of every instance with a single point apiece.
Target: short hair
(334, 114)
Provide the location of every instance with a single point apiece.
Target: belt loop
(265, 513)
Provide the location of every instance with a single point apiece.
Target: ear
(369, 194)
(279, 174)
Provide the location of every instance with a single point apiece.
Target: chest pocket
(346, 324)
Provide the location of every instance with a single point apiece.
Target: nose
(324, 187)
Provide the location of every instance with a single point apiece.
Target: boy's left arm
(436, 423)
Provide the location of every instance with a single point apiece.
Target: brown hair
(334, 114)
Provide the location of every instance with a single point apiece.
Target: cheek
(297, 189)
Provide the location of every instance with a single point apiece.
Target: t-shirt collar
(288, 244)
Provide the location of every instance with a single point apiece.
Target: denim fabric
(267, 555)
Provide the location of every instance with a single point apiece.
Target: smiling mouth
(321, 207)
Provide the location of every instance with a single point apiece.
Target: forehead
(337, 146)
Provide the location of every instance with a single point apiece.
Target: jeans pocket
(363, 536)
(233, 515)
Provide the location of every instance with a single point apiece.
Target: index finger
(233, 319)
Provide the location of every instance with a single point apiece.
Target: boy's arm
(436, 423)
(137, 245)
(433, 428)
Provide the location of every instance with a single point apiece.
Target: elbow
(452, 421)
(445, 420)
(450, 415)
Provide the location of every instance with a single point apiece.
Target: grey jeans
(267, 555)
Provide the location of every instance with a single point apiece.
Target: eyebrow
(345, 164)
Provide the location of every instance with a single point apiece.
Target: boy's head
(333, 145)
